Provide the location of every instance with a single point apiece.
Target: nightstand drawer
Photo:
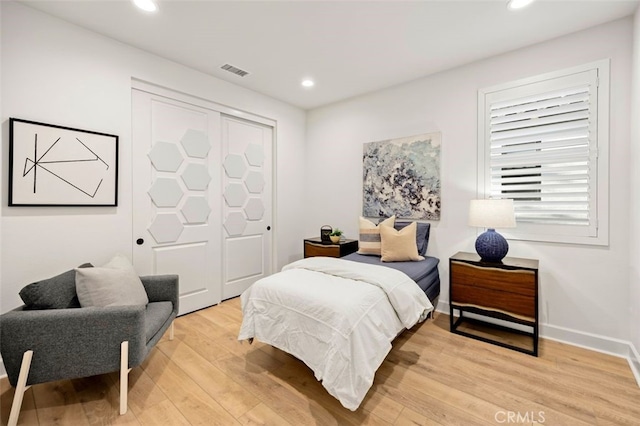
(516, 305)
(315, 247)
(521, 282)
(312, 249)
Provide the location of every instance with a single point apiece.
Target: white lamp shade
(492, 214)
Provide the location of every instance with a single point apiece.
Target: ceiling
(348, 47)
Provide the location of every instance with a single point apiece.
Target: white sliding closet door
(202, 195)
(247, 207)
(177, 195)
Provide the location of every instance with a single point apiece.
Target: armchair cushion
(109, 287)
(156, 315)
(114, 284)
(57, 292)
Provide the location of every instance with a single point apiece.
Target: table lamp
(491, 214)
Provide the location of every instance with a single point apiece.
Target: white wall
(582, 288)
(58, 73)
(634, 234)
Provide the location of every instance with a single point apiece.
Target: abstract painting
(402, 177)
(53, 165)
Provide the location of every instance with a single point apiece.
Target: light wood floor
(205, 376)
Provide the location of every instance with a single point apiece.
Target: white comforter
(337, 316)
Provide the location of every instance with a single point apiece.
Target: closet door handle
(140, 241)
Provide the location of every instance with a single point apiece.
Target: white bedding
(339, 317)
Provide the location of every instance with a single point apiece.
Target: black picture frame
(51, 165)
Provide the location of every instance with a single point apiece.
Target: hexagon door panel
(235, 195)
(166, 228)
(246, 149)
(196, 177)
(176, 187)
(235, 224)
(165, 156)
(254, 182)
(195, 143)
(254, 154)
(254, 209)
(196, 210)
(235, 166)
(165, 192)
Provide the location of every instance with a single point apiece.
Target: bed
(339, 316)
(423, 272)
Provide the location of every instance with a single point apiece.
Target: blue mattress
(423, 272)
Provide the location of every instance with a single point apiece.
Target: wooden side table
(507, 290)
(315, 247)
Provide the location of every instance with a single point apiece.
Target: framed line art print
(52, 165)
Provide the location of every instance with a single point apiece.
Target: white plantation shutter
(541, 150)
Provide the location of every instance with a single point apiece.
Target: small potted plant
(335, 235)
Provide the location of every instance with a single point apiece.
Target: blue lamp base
(491, 246)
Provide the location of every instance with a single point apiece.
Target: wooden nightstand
(507, 291)
(315, 247)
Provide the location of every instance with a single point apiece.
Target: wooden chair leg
(21, 388)
(124, 376)
(171, 331)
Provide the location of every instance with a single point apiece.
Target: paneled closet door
(177, 197)
(247, 207)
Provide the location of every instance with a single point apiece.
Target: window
(544, 143)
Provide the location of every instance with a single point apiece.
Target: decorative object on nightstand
(325, 233)
(335, 236)
(316, 247)
(507, 291)
(491, 214)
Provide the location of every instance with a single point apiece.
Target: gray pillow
(422, 234)
(114, 284)
(57, 292)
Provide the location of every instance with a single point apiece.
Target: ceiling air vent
(234, 70)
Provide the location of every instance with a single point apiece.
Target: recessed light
(518, 4)
(146, 5)
(308, 83)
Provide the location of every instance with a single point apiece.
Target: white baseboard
(634, 362)
(594, 342)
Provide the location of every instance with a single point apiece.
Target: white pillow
(114, 284)
(399, 246)
(369, 240)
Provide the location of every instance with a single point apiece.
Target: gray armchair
(41, 346)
